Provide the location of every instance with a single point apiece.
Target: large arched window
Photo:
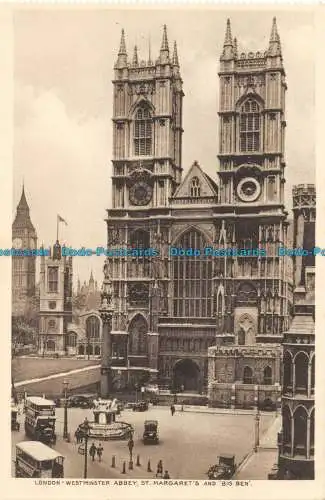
(267, 376)
(138, 329)
(71, 339)
(192, 274)
(195, 189)
(92, 327)
(301, 372)
(286, 428)
(143, 132)
(287, 372)
(250, 126)
(300, 431)
(248, 375)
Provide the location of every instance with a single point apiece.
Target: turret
(122, 58)
(135, 60)
(164, 50)
(228, 46)
(274, 51)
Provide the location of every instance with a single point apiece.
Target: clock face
(140, 193)
(248, 189)
(17, 243)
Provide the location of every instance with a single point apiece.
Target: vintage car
(224, 469)
(150, 434)
(15, 426)
(82, 401)
(141, 406)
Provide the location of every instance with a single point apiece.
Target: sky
(63, 67)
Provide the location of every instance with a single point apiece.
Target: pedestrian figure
(166, 475)
(159, 469)
(100, 452)
(76, 435)
(172, 410)
(182, 388)
(92, 451)
(131, 445)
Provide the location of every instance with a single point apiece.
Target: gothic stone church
(202, 322)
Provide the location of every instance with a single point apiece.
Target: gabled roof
(208, 187)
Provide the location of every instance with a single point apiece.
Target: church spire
(274, 44)
(135, 60)
(164, 50)
(228, 47)
(122, 54)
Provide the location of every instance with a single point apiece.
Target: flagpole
(57, 228)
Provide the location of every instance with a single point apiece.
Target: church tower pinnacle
(228, 46)
(164, 50)
(122, 58)
(274, 44)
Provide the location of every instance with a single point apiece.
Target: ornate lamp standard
(106, 313)
(257, 430)
(65, 425)
(85, 430)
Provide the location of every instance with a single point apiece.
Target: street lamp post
(86, 436)
(257, 430)
(65, 425)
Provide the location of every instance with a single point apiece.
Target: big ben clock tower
(23, 268)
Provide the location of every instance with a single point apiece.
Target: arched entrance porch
(187, 375)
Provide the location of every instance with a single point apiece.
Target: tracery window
(267, 378)
(195, 189)
(138, 335)
(248, 375)
(143, 132)
(250, 126)
(53, 279)
(92, 327)
(192, 283)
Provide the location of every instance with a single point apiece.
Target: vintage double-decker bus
(40, 419)
(34, 459)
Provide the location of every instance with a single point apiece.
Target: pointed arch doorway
(187, 374)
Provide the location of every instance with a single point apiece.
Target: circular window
(248, 189)
(52, 304)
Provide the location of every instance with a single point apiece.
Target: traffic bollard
(124, 468)
(130, 465)
(113, 462)
(138, 460)
(149, 466)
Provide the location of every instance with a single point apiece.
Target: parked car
(82, 401)
(224, 469)
(141, 406)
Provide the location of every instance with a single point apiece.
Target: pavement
(257, 465)
(190, 443)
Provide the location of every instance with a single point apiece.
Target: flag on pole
(60, 219)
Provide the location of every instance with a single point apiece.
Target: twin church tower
(168, 311)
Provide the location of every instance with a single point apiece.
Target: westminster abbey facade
(201, 322)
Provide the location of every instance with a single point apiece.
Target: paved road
(189, 442)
